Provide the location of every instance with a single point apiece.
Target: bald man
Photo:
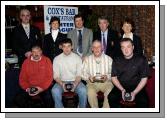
(25, 36)
(97, 73)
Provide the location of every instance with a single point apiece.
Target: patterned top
(93, 66)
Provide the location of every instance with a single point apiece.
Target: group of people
(108, 63)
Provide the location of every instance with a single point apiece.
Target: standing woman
(52, 40)
(127, 32)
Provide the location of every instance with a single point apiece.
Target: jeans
(81, 90)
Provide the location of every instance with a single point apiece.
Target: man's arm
(139, 87)
(116, 82)
(76, 82)
(23, 77)
(90, 42)
(56, 74)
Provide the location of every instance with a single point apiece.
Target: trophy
(33, 90)
(69, 86)
(98, 78)
(127, 96)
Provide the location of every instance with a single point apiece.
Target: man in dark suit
(25, 36)
(108, 37)
(52, 40)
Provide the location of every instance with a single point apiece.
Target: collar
(36, 60)
(80, 29)
(105, 32)
(130, 35)
(67, 55)
(26, 25)
(98, 57)
(55, 31)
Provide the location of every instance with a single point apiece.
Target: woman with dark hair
(127, 29)
(52, 40)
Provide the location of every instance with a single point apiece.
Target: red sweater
(36, 73)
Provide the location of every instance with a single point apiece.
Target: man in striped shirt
(97, 73)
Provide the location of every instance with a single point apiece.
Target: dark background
(142, 15)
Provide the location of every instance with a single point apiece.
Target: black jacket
(112, 42)
(51, 48)
(21, 43)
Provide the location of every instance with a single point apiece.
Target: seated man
(67, 69)
(97, 73)
(36, 77)
(129, 75)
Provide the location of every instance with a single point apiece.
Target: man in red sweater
(36, 76)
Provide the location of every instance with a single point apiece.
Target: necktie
(80, 41)
(104, 43)
(27, 31)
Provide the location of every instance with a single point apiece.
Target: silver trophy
(127, 96)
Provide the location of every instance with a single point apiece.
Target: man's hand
(123, 94)
(36, 93)
(64, 87)
(133, 94)
(28, 54)
(91, 79)
(104, 78)
(74, 86)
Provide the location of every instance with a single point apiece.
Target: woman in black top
(52, 40)
(127, 29)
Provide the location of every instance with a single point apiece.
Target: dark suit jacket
(112, 42)
(51, 48)
(21, 43)
(138, 49)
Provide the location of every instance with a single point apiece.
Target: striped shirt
(92, 66)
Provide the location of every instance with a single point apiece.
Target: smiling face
(25, 16)
(127, 27)
(67, 48)
(97, 48)
(127, 49)
(103, 24)
(54, 25)
(36, 53)
(79, 22)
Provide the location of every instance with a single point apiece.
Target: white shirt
(91, 66)
(130, 36)
(54, 34)
(67, 67)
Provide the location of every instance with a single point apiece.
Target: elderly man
(108, 37)
(129, 74)
(67, 70)
(97, 73)
(36, 77)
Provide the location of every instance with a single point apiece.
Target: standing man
(129, 74)
(108, 37)
(52, 41)
(81, 37)
(36, 73)
(97, 65)
(67, 70)
(25, 36)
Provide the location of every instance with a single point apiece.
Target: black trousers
(43, 100)
(115, 96)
